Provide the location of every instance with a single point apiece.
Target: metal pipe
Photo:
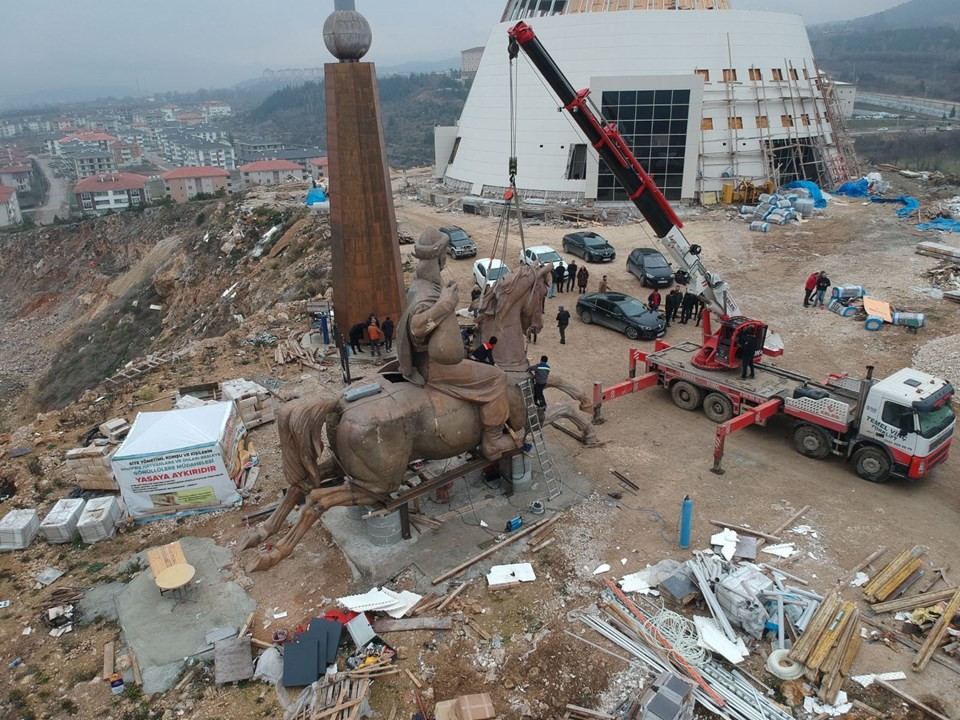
(784, 573)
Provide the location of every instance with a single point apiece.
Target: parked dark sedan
(590, 246)
(651, 267)
(622, 313)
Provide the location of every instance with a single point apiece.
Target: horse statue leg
(566, 411)
(585, 399)
(318, 502)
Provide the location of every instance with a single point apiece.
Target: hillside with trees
(411, 105)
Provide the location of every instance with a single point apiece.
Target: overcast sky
(188, 44)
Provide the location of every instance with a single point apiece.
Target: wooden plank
(477, 629)
(414, 623)
(414, 679)
(910, 699)
(449, 598)
(934, 637)
(165, 556)
(746, 530)
(914, 602)
(490, 551)
(791, 520)
(137, 677)
(910, 643)
(589, 713)
(870, 558)
(108, 659)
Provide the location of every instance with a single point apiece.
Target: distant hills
(910, 49)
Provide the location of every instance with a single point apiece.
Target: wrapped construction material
(758, 226)
(18, 529)
(909, 319)
(873, 323)
(60, 524)
(848, 292)
(99, 519)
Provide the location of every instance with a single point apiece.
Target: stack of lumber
(914, 601)
(938, 250)
(905, 569)
(291, 351)
(829, 645)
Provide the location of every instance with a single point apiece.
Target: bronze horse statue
(373, 439)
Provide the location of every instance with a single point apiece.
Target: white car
(542, 255)
(487, 271)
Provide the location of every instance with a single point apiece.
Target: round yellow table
(176, 579)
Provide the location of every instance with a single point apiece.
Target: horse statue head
(509, 309)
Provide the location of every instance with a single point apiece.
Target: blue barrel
(873, 323)
(760, 226)
(909, 319)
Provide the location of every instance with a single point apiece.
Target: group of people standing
(564, 277)
(815, 289)
(379, 335)
(686, 304)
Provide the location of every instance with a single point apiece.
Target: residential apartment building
(182, 184)
(215, 108)
(248, 148)
(271, 172)
(93, 162)
(318, 166)
(9, 207)
(299, 155)
(19, 177)
(83, 140)
(101, 193)
(126, 154)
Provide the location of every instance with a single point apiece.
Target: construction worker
(356, 336)
(687, 307)
(747, 346)
(484, 353)
(540, 372)
(376, 337)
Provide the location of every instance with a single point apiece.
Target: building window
(453, 153)
(735, 123)
(654, 126)
(756, 75)
(786, 120)
(705, 74)
(763, 121)
(805, 119)
(777, 75)
(793, 74)
(729, 74)
(577, 162)
(706, 124)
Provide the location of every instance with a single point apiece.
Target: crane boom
(641, 189)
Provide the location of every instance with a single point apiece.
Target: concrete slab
(146, 617)
(430, 553)
(100, 603)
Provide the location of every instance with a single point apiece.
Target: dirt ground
(537, 668)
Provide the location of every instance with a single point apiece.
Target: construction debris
(829, 645)
(894, 575)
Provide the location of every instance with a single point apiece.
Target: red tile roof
(88, 137)
(115, 181)
(194, 171)
(189, 116)
(270, 166)
(321, 161)
(14, 169)
(6, 193)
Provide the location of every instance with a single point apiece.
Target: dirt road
(58, 199)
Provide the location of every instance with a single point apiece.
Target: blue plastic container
(873, 323)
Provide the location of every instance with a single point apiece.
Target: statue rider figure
(430, 347)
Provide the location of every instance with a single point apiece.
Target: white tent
(180, 461)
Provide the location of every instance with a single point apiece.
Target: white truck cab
(906, 426)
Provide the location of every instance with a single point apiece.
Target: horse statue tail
(300, 424)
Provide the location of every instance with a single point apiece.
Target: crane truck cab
(906, 426)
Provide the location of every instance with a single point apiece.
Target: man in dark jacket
(484, 353)
(559, 277)
(673, 304)
(653, 300)
(540, 372)
(823, 282)
(563, 319)
(388, 330)
(747, 348)
(571, 275)
(356, 336)
(687, 307)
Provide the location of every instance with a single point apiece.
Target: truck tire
(718, 407)
(872, 464)
(811, 441)
(686, 396)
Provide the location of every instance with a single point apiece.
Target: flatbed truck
(898, 426)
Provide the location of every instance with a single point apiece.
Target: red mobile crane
(901, 425)
(719, 348)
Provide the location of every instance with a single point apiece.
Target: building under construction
(705, 95)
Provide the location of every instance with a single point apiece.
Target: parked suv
(590, 246)
(461, 245)
(651, 267)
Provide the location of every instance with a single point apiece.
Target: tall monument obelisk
(367, 277)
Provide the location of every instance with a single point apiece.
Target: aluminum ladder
(550, 475)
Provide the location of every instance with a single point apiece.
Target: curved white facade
(741, 87)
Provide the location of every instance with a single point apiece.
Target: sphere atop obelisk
(346, 33)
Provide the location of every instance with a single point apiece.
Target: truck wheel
(717, 407)
(686, 396)
(872, 464)
(811, 441)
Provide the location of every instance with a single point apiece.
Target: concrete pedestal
(384, 531)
